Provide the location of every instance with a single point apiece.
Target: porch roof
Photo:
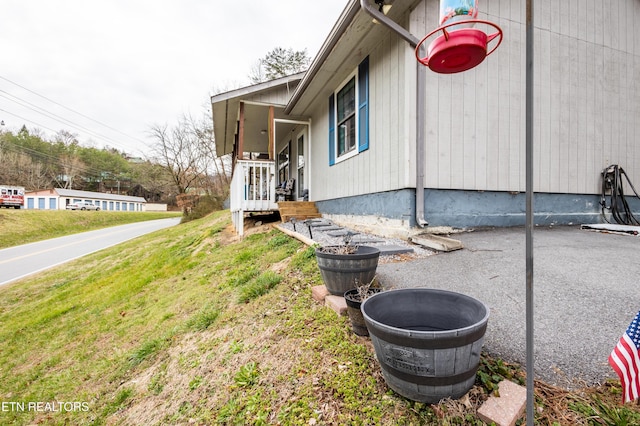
(226, 106)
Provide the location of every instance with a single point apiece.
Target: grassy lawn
(26, 226)
(192, 325)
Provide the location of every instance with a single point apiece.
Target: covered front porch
(268, 147)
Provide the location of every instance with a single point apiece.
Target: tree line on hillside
(182, 157)
(182, 160)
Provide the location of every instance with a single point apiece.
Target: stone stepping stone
(325, 228)
(361, 239)
(389, 250)
(316, 224)
(337, 233)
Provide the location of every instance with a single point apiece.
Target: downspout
(421, 83)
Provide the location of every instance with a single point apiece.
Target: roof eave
(256, 88)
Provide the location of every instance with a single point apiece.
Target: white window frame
(355, 151)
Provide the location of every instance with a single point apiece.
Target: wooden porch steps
(299, 209)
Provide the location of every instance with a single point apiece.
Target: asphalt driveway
(586, 292)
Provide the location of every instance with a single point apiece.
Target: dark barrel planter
(427, 341)
(342, 272)
(352, 298)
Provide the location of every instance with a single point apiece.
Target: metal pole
(529, 213)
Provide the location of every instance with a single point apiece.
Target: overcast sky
(107, 70)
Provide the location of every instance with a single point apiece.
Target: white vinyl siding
(384, 166)
(586, 106)
(586, 100)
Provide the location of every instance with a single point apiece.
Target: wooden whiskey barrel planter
(427, 341)
(342, 272)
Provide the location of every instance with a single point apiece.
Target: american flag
(625, 361)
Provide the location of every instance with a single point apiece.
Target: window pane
(346, 101)
(283, 156)
(283, 164)
(347, 135)
(300, 182)
(301, 151)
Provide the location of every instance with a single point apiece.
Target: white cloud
(132, 63)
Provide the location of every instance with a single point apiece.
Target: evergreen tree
(278, 63)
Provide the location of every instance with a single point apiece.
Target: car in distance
(81, 205)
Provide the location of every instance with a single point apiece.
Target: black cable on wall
(612, 181)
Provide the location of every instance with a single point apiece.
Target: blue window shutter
(363, 105)
(332, 131)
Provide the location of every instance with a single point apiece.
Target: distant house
(57, 199)
(377, 140)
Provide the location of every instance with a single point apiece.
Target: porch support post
(241, 133)
(272, 139)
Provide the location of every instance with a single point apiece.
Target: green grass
(183, 326)
(26, 226)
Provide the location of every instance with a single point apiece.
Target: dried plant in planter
(341, 265)
(354, 299)
(366, 290)
(346, 248)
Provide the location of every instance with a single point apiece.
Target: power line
(72, 110)
(26, 119)
(53, 116)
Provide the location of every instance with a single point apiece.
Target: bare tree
(32, 174)
(70, 166)
(177, 149)
(155, 179)
(17, 168)
(216, 167)
(257, 73)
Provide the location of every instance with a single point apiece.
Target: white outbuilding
(58, 198)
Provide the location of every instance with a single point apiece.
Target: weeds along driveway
(585, 294)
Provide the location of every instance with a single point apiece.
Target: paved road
(586, 288)
(21, 261)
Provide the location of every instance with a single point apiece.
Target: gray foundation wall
(466, 209)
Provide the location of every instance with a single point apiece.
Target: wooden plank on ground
(437, 242)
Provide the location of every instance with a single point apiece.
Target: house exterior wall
(279, 96)
(586, 104)
(586, 101)
(387, 164)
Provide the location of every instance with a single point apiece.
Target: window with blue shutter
(349, 116)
